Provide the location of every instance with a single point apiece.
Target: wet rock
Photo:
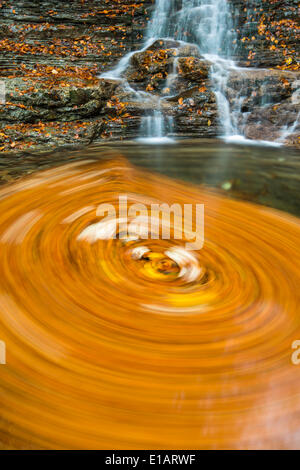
(57, 33)
(150, 63)
(275, 123)
(196, 113)
(192, 68)
(166, 72)
(260, 87)
(151, 67)
(269, 102)
(43, 136)
(34, 100)
(182, 49)
(267, 34)
(178, 85)
(164, 44)
(187, 50)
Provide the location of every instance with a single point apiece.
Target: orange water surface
(141, 344)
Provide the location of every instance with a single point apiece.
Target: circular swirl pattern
(133, 343)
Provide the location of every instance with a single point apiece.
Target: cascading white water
(208, 24)
(155, 127)
(286, 131)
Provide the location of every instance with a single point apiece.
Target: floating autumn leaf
(285, 82)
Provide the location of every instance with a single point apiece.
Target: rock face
(34, 101)
(51, 55)
(270, 104)
(84, 33)
(57, 49)
(176, 78)
(267, 32)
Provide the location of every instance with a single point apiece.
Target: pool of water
(140, 341)
(266, 175)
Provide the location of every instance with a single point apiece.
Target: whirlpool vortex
(134, 343)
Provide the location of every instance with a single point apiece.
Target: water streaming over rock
(155, 128)
(135, 342)
(206, 23)
(209, 25)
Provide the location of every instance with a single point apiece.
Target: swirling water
(136, 343)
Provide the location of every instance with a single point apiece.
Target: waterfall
(155, 127)
(286, 130)
(208, 24)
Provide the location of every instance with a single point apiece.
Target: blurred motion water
(134, 342)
